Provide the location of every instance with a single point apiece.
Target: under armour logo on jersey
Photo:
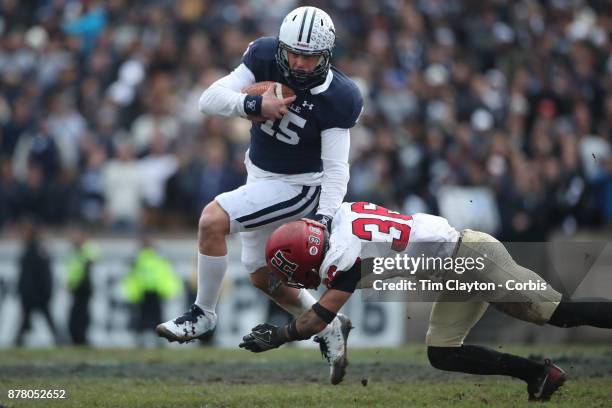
(305, 104)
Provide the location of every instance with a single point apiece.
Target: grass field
(288, 377)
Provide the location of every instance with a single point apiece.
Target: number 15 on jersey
(285, 134)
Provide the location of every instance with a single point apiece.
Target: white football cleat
(333, 347)
(193, 324)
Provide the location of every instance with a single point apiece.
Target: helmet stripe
(314, 12)
(302, 25)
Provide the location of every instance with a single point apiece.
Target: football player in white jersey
(297, 163)
(305, 255)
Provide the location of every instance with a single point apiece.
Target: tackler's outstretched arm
(266, 336)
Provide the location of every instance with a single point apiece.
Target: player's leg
(542, 379)
(256, 205)
(548, 306)
(200, 319)
(450, 322)
(596, 312)
(543, 306)
(536, 306)
(273, 203)
(293, 300)
(213, 227)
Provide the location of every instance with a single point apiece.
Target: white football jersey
(364, 230)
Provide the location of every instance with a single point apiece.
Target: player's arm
(266, 336)
(321, 313)
(325, 310)
(224, 98)
(335, 146)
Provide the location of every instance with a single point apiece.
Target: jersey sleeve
(335, 146)
(259, 55)
(338, 258)
(347, 106)
(347, 281)
(223, 97)
(344, 248)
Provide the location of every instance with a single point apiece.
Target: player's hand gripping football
(272, 107)
(262, 337)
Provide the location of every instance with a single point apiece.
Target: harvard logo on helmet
(283, 264)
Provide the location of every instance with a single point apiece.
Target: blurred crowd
(99, 121)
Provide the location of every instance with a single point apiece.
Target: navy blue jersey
(292, 145)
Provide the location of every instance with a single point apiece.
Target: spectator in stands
(459, 94)
(122, 179)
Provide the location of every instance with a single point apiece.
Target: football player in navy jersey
(297, 163)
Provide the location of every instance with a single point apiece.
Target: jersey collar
(323, 87)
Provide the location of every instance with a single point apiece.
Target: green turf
(288, 377)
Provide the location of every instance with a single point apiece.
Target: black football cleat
(543, 387)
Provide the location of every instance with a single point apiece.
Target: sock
(483, 360)
(211, 270)
(594, 312)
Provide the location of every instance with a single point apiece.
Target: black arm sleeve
(346, 281)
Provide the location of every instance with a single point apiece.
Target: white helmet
(306, 31)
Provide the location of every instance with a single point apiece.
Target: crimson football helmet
(295, 252)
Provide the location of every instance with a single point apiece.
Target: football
(258, 88)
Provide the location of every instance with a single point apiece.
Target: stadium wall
(240, 308)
